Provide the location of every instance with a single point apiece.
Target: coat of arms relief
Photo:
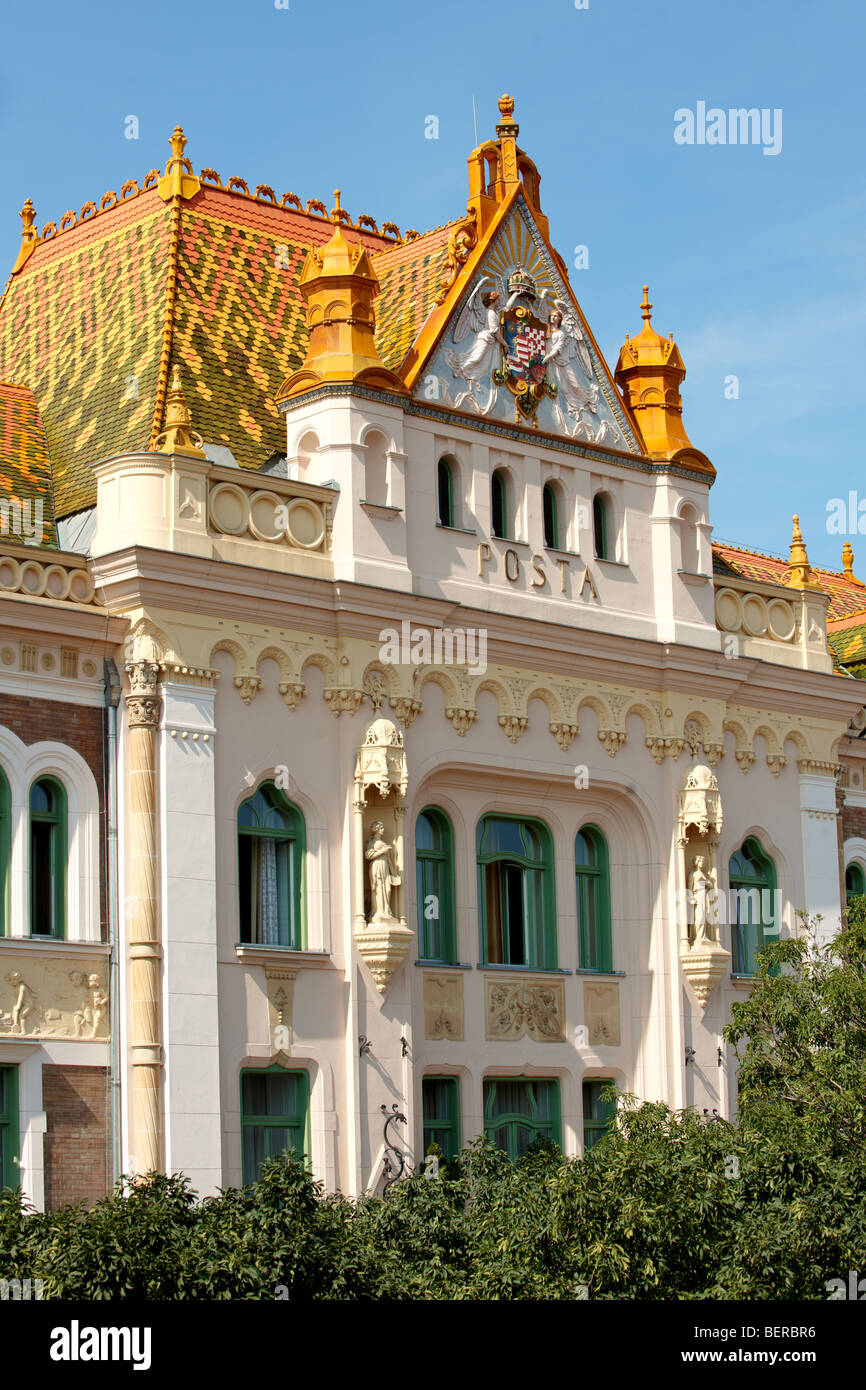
(518, 348)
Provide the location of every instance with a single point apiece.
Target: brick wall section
(854, 821)
(82, 728)
(77, 1144)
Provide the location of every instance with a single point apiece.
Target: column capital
(142, 701)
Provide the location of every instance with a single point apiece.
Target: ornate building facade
(382, 733)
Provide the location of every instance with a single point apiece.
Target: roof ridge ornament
(801, 576)
(848, 565)
(179, 181)
(177, 437)
(29, 237)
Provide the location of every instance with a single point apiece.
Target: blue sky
(754, 261)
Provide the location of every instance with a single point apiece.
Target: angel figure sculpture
(480, 317)
(569, 360)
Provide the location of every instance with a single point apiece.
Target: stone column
(142, 920)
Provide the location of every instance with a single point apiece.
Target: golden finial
(507, 127)
(177, 140)
(177, 437)
(178, 181)
(28, 235)
(28, 217)
(336, 209)
(646, 307)
(801, 576)
(848, 564)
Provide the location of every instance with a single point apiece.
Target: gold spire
(339, 286)
(179, 181)
(801, 576)
(29, 238)
(848, 565)
(177, 437)
(498, 168)
(649, 372)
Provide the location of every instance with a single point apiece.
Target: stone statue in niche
(703, 899)
(383, 876)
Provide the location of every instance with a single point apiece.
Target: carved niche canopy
(700, 806)
(381, 760)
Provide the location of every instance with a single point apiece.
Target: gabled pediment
(511, 344)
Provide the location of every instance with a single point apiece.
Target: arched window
(445, 492)
(5, 851)
(592, 871)
(855, 882)
(515, 891)
(275, 1116)
(754, 912)
(550, 513)
(600, 519)
(434, 858)
(48, 858)
(376, 469)
(518, 1111)
(271, 869)
(499, 505)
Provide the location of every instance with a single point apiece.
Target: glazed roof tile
(25, 466)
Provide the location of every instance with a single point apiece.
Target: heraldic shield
(523, 369)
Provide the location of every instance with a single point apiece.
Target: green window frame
(599, 526)
(499, 505)
(5, 852)
(855, 882)
(516, 895)
(445, 492)
(752, 879)
(10, 1156)
(592, 875)
(275, 1116)
(520, 1109)
(550, 516)
(271, 870)
(434, 880)
(440, 1105)
(598, 1112)
(48, 851)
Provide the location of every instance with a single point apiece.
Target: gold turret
(649, 372)
(848, 565)
(801, 576)
(29, 239)
(177, 437)
(339, 286)
(497, 168)
(178, 181)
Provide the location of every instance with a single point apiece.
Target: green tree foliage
(670, 1205)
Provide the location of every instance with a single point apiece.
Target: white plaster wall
(188, 897)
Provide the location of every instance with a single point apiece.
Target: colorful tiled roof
(102, 309)
(847, 594)
(25, 468)
(409, 276)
